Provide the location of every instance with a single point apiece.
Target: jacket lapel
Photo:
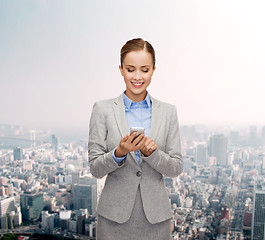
(119, 111)
(156, 119)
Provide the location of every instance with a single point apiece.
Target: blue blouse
(138, 114)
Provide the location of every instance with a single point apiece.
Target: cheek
(127, 77)
(148, 77)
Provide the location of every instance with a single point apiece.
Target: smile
(137, 84)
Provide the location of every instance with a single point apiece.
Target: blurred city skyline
(58, 58)
(217, 196)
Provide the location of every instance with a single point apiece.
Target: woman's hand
(149, 147)
(129, 144)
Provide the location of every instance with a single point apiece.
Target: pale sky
(58, 57)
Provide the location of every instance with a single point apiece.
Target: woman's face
(137, 72)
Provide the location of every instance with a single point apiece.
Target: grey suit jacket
(107, 126)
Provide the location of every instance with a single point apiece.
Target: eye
(130, 70)
(145, 70)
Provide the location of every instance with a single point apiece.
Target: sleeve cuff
(117, 159)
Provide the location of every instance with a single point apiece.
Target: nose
(138, 75)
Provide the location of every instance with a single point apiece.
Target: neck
(136, 98)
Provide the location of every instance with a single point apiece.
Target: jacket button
(139, 174)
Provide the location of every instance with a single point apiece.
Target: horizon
(74, 135)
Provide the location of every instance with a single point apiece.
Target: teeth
(137, 84)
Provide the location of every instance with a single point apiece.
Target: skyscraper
(201, 154)
(55, 142)
(6, 205)
(31, 205)
(258, 216)
(76, 175)
(17, 153)
(218, 149)
(85, 197)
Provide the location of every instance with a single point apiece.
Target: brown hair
(137, 44)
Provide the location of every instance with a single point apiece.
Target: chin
(138, 92)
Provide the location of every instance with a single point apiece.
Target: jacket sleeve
(101, 161)
(168, 162)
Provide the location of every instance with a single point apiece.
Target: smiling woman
(134, 203)
(137, 68)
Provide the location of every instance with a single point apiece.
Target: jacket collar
(119, 111)
(128, 102)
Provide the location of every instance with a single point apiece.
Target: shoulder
(168, 110)
(163, 105)
(105, 106)
(106, 103)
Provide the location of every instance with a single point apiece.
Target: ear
(121, 70)
(154, 70)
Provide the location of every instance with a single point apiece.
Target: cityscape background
(46, 186)
(58, 57)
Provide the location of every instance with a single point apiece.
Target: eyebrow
(134, 66)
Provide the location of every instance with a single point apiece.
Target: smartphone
(138, 131)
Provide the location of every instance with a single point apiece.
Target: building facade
(258, 216)
(218, 148)
(31, 206)
(85, 197)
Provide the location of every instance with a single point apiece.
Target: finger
(148, 142)
(125, 138)
(153, 148)
(131, 137)
(150, 147)
(141, 144)
(145, 143)
(138, 139)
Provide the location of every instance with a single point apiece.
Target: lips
(137, 85)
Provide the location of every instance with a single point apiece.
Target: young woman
(134, 203)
